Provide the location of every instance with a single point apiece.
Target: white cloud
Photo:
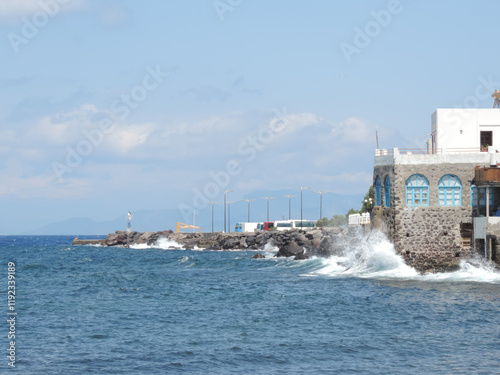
(304, 151)
(66, 127)
(12, 11)
(211, 124)
(13, 184)
(355, 130)
(297, 121)
(126, 138)
(18, 7)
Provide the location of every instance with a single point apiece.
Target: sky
(110, 106)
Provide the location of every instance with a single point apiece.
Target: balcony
(489, 175)
(472, 156)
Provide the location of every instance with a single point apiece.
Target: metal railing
(423, 151)
(359, 219)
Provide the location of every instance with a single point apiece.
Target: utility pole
(321, 192)
(212, 203)
(290, 196)
(229, 214)
(268, 199)
(248, 200)
(301, 190)
(227, 191)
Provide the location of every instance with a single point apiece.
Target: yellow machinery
(186, 226)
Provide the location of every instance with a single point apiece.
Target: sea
(164, 310)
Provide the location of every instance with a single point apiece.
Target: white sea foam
(162, 243)
(269, 250)
(372, 257)
(375, 257)
(470, 270)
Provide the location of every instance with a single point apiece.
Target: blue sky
(110, 106)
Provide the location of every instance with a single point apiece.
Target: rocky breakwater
(300, 244)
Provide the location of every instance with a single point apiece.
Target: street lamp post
(268, 199)
(248, 200)
(369, 203)
(301, 190)
(290, 196)
(213, 203)
(227, 191)
(321, 192)
(229, 214)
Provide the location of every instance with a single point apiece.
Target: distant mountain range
(157, 220)
(143, 220)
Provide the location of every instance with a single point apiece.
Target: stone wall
(382, 216)
(301, 244)
(427, 237)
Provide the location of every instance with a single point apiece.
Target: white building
(465, 130)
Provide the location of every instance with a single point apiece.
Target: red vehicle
(268, 224)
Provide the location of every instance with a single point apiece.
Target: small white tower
(496, 98)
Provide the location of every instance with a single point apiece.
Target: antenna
(496, 98)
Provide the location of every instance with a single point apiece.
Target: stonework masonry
(428, 237)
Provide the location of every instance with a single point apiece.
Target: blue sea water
(154, 310)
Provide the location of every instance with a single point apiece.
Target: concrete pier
(76, 241)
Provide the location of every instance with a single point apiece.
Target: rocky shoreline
(300, 244)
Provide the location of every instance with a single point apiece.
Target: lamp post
(321, 192)
(213, 203)
(268, 199)
(229, 215)
(248, 200)
(290, 196)
(227, 191)
(301, 190)
(369, 203)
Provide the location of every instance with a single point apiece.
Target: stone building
(425, 199)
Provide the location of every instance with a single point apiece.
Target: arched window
(473, 196)
(387, 192)
(417, 191)
(378, 192)
(449, 191)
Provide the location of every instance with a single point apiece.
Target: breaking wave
(162, 243)
(375, 257)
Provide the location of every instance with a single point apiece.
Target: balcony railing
(423, 151)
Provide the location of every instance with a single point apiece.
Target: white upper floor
(467, 129)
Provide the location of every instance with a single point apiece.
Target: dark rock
(144, 238)
(231, 243)
(250, 240)
(301, 239)
(290, 249)
(302, 256)
(326, 247)
(258, 256)
(114, 239)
